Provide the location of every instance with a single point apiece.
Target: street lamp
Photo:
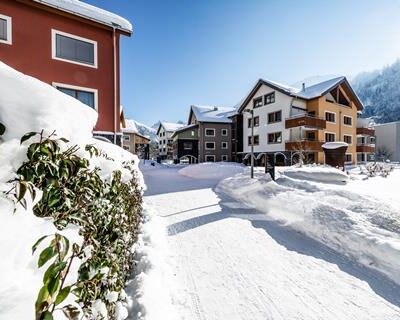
(252, 142)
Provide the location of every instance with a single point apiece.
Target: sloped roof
(169, 126)
(311, 92)
(87, 11)
(213, 114)
(130, 126)
(188, 127)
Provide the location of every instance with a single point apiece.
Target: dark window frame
(258, 102)
(274, 117)
(76, 92)
(6, 37)
(330, 134)
(269, 98)
(275, 136)
(347, 117)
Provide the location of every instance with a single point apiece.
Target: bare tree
(383, 153)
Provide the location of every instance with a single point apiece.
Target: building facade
(73, 47)
(366, 147)
(164, 133)
(214, 132)
(289, 122)
(388, 141)
(186, 144)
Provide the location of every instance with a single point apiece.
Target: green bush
(108, 214)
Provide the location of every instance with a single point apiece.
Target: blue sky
(211, 52)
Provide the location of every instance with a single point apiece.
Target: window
(192, 133)
(224, 145)
(85, 95)
(348, 157)
(210, 158)
(256, 122)
(348, 121)
(275, 117)
(330, 137)
(269, 98)
(210, 132)
(275, 137)
(5, 29)
(74, 49)
(257, 102)
(210, 145)
(348, 139)
(127, 138)
(187, 145)
(224, 158)
(330, 116)
(224, 132)
(126, 148)
(256, 140)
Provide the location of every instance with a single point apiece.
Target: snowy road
(232, 263)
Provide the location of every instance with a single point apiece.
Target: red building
(71, 45)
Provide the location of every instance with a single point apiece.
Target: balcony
(365, 148)
(305, 120)
(366, 131)
(306, 145)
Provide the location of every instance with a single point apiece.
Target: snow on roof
(87, 11)
(171, 126)
(334, 145)
(130, 126)
(213, 114)
(318, 89)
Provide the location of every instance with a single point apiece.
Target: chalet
(135, 142)
(186, 144)
(214, 132)
(164, 133)
(288, 121)
(72, 46)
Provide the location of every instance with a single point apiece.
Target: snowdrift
(343, 217)
(40, 107)
(212, 170)
(316, 173)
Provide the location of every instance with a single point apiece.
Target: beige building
(134, 142)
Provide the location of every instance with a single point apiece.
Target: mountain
(380, 92)
(142, 129)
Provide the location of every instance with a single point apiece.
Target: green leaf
(47, 316)
(34, 247)
(41, 302)
(53, 285)
(27, 136)
(21, 190)
(46, 255)
(2, 129)
(53, 271)
(62, 295)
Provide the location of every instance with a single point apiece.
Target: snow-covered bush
(77, 203)
(107, 212)
(374, 169)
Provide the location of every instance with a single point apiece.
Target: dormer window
(5, 29)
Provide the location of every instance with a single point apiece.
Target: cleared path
(233, 263)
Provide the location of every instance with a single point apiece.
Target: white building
(164, 134)
(388, 141)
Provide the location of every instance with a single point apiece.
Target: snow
(171, 126)
(316, 173)
(210, 170)
(341, 216)
(213, 114)
(316, 90)
(149, 291)
(233, 255)
(40, 107)
(88, 11)
(334, 145)
(130, 126)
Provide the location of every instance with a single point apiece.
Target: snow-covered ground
(231, 257)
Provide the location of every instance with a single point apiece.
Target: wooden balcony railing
(366, 148)
(305, 120)
(306, 145)
(366, 131)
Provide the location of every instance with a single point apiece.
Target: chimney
(304, 86)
